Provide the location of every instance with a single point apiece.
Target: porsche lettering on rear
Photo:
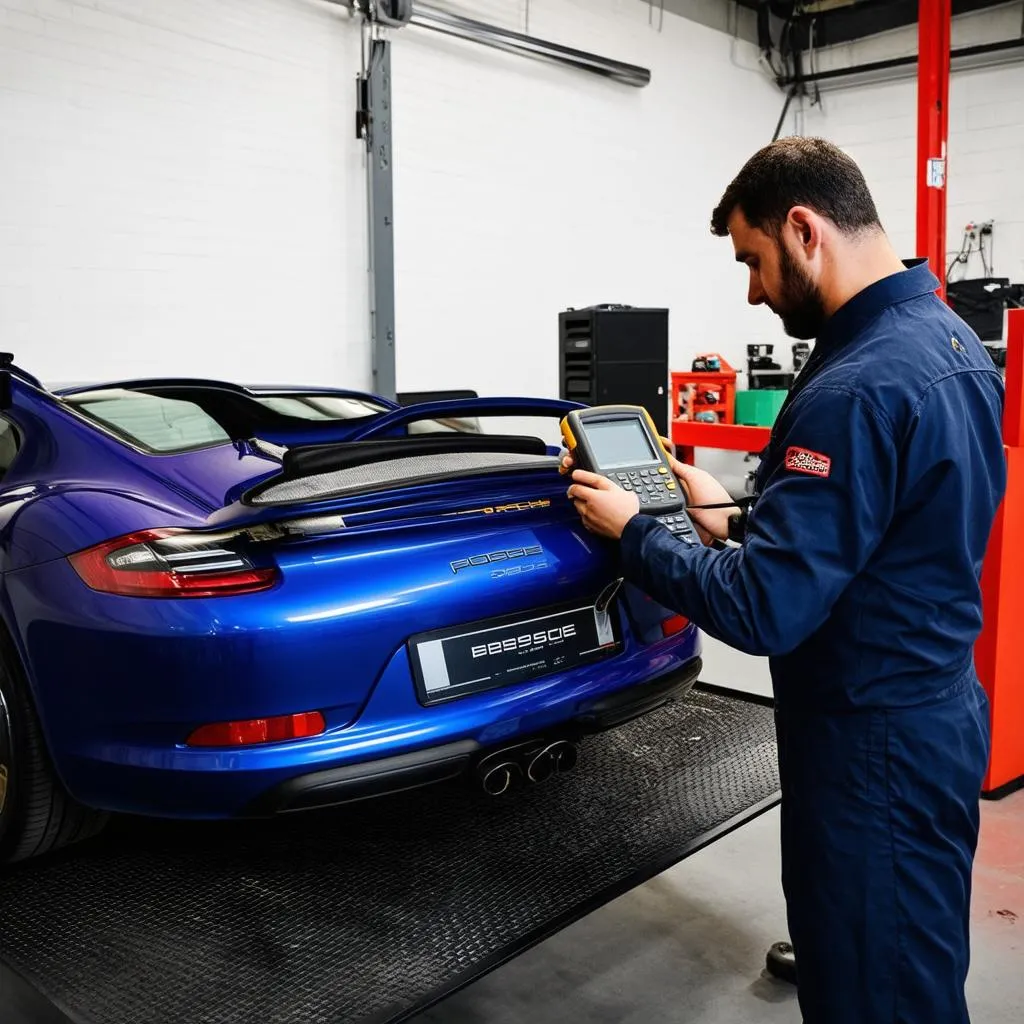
(490, 557)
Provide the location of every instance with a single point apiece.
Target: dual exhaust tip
(507, 770)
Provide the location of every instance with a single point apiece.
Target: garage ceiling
(783, 30)
(835, 21)
(840, 21)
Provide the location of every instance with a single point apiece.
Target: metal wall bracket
(374, 127)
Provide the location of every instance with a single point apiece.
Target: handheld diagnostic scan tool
(621, 443)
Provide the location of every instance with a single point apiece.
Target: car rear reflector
(674, 625)
(172, 563)
(258, 730)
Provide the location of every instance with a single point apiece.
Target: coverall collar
(851, 318)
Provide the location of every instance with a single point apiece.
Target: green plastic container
(760, 407)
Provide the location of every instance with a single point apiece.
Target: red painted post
(1013, 412)
(934, 18)
(999, 653)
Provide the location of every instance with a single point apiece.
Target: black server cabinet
(612, 355)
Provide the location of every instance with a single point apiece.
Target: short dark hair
(798, 171)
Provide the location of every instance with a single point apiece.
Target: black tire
(781, 963)
(37, 815)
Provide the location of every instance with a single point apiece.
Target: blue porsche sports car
(222, 601)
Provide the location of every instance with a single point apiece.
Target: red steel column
(934, 18)
(999, 653)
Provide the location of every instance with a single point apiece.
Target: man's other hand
(604, 507)
(699, 487)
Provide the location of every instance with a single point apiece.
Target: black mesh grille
(369, 912)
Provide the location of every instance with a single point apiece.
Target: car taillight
(171, 563)
(674, 625)
(258, 730)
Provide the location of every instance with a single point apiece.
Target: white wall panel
(181, 191)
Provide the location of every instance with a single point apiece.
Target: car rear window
(334, 407)
(321, 407)
(153, 422)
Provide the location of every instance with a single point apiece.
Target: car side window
(8, 445)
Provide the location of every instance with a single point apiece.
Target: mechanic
(858, 576)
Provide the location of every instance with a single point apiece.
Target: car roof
(140, 383)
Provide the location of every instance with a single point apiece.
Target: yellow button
(670, 485)
(662, 470)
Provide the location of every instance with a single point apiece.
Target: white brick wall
(181, 191)
(877, 125)
(525, 188)
(176, 189)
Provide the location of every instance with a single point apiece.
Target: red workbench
(687, 435)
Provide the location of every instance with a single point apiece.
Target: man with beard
(858, 576)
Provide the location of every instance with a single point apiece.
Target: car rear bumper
(447, 761)
(376, 756)
(121, 685)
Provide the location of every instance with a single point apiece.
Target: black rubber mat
(374, 912)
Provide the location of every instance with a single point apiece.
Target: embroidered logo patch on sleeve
(803, 460)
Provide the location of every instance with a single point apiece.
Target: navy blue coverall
(859, 579)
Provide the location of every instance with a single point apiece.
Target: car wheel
(36, 813)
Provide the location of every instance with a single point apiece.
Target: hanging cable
(785, 110)
(962, 256)
(987, 262)
(814, 62)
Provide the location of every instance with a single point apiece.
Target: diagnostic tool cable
(738, 521)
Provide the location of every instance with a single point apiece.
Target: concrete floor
(689, 946)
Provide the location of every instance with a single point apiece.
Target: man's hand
(699, 486)
(604, 507)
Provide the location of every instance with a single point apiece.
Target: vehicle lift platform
(374, 911)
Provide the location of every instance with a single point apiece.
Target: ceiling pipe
(1007, 51)
(438, 20)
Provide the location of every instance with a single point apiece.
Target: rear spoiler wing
(463, 408)
(371, 444)
(324, 434)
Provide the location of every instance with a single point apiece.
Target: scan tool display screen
(618, 444)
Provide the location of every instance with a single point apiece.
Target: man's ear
(805, 227)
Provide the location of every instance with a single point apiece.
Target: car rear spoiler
(307, 460)
(463, 408)
(370, 444)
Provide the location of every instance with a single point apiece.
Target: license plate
(450, 663)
